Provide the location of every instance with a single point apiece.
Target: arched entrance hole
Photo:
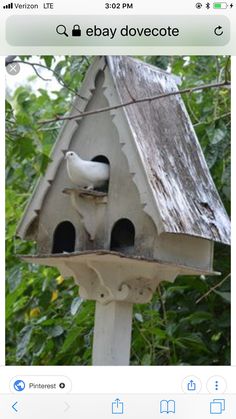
(102, 159)
(122, 235)
(64, 238)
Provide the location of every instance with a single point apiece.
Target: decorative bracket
(106, 276)
(133, 281)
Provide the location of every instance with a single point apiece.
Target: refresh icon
(218, 31)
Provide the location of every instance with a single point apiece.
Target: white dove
(86, 174)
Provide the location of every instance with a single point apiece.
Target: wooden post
(112, 333)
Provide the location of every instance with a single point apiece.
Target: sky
(27, 71)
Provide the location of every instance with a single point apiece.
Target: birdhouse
(157, 214)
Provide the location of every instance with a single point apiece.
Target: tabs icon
(217, 406)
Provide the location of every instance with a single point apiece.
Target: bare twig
(136, 101)
(214, 120)
(9, 59)
(164, 316)
(38, 74)
(191, 110)
(227, 70)
(9, 121)
(57, 75)
(212, 289)
(162, 304)
(130, 94)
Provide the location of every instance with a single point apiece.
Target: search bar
(118, 30)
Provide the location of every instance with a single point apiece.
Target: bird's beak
(65, 154)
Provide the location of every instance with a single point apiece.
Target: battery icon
(220, 5)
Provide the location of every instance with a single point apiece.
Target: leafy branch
(55, 73)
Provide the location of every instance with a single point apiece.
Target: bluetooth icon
(208, 5)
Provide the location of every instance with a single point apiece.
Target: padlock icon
(76, 31)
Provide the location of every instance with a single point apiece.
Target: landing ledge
(106, 256)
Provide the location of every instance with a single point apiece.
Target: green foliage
(48, 316)
(187, 322)
(176, 330)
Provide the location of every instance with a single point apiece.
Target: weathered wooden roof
(177, 177)
(185, 194)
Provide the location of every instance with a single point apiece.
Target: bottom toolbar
(128, 406)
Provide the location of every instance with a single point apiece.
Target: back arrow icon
(218, 31)
(14, 407)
